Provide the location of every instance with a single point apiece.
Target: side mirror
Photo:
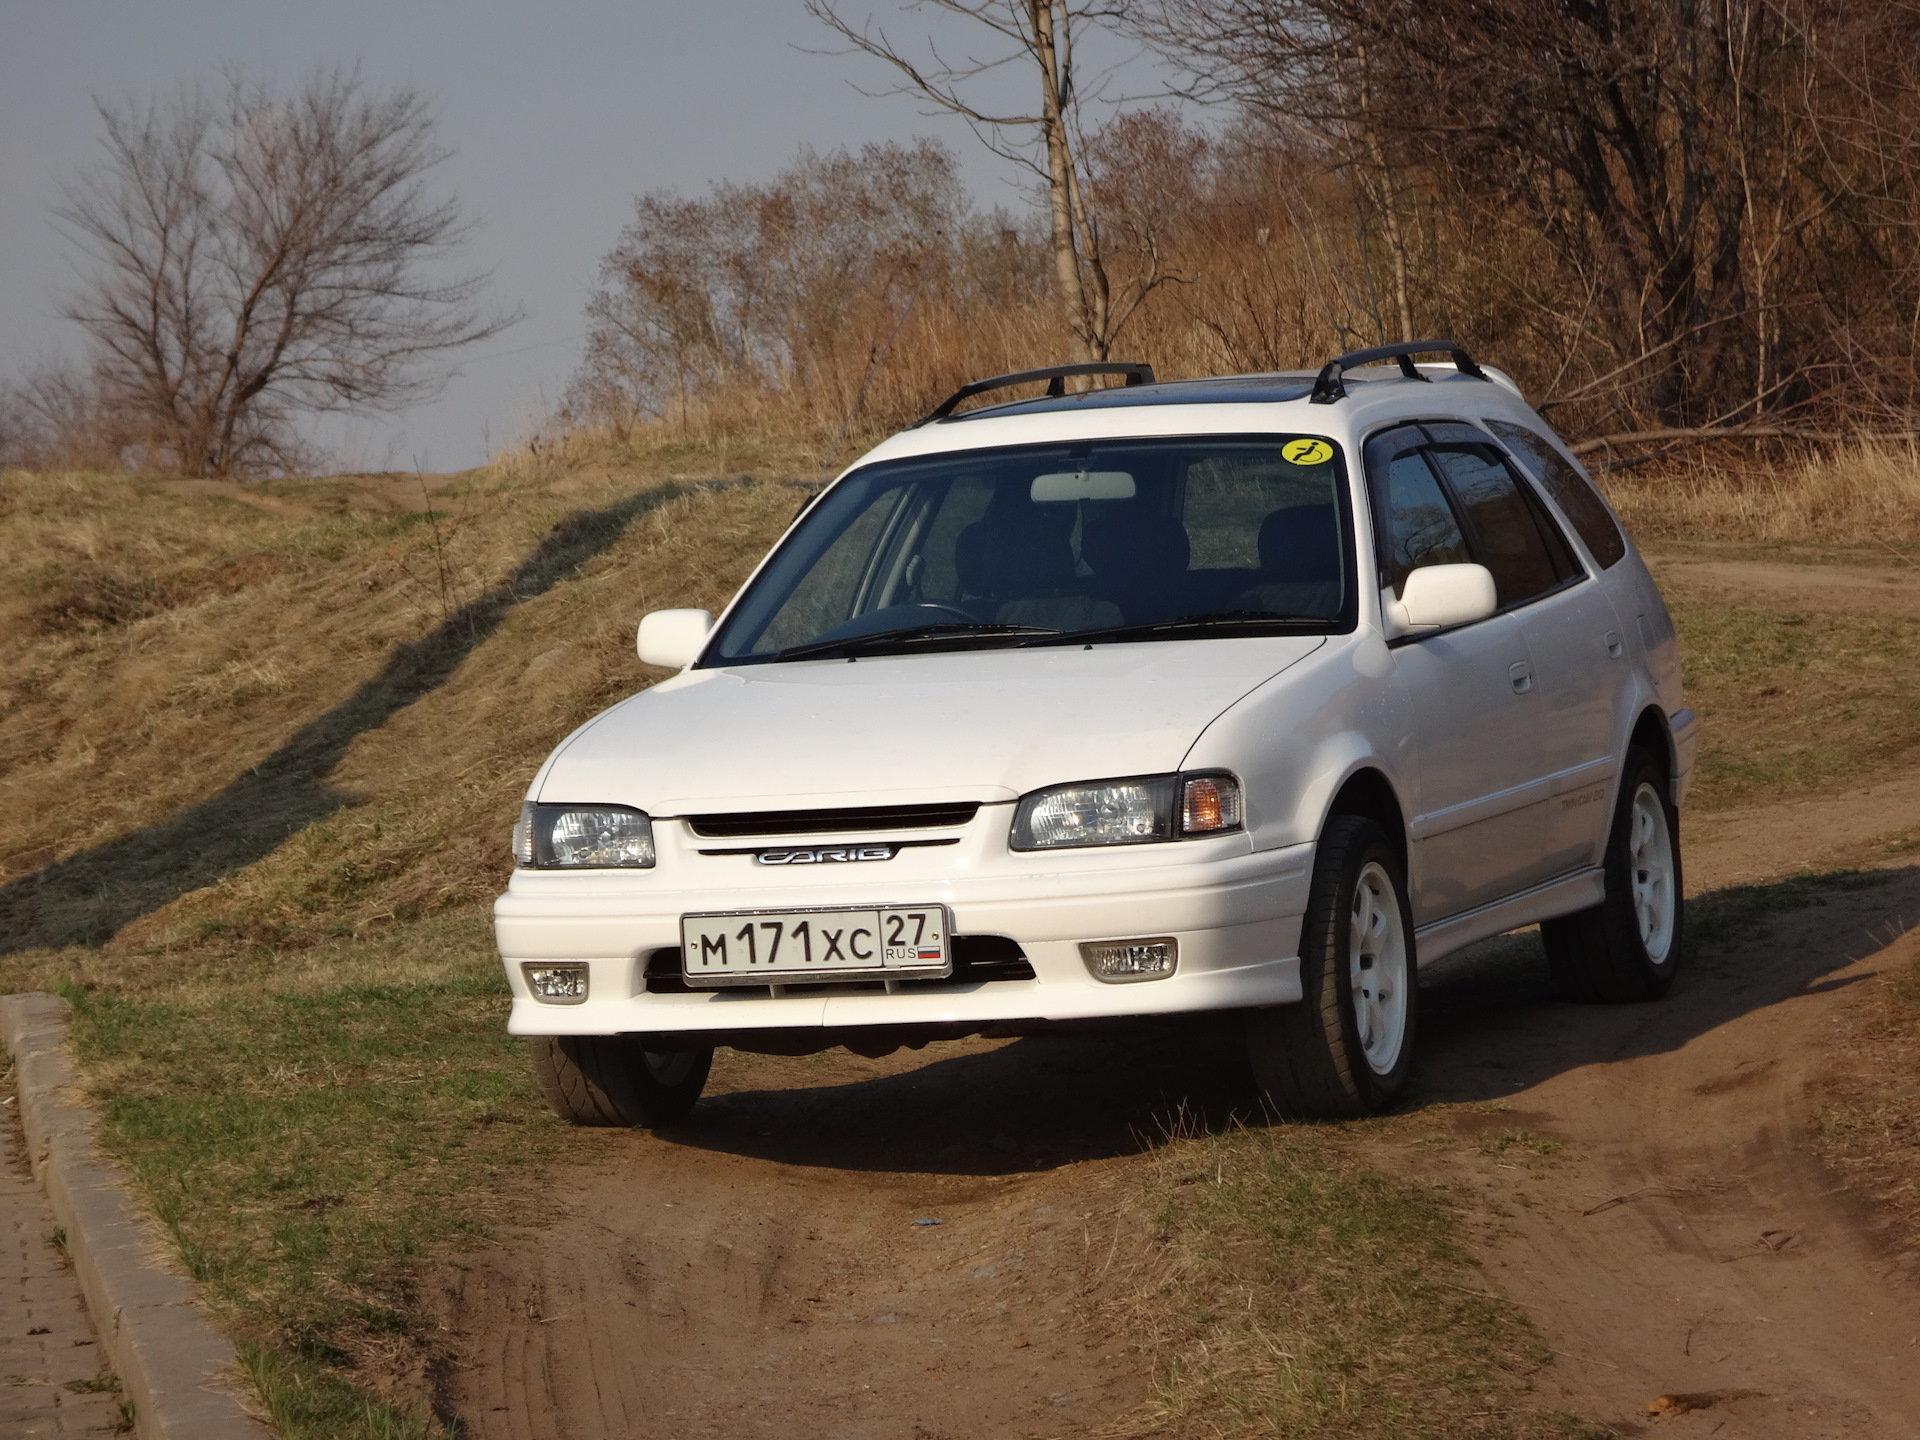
(672, 638)
(1441, 595)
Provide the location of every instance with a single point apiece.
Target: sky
(558, 113)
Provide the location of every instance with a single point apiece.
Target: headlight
(582, 837)
(1138, 811)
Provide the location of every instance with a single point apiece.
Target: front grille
(825, 822)
(976, 958)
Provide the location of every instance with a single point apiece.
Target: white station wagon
(1254, 694)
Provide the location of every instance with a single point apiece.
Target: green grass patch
(1792, 703)
(1298, 1292)
(309, 1401)
(307, 1149)
(1722, 919)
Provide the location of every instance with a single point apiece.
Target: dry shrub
(1863, 493)
(765, 310)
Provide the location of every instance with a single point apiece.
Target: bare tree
(1038, 33)
(265, 256)
(1706, 205)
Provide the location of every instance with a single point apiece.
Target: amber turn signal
(1208, 803)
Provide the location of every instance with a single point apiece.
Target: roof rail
(1329, 387)
(1055, 375)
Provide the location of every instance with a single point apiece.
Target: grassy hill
(260, 749)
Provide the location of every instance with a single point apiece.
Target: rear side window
(1527, 557)
(1570, 490)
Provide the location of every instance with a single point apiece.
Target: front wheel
(618, 1079)
(1628, 946)
(1346, 1047)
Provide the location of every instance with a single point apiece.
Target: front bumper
(1235, 912)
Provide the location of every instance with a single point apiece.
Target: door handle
(1521, 674)
(1613, 644)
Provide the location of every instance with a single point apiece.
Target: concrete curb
(170, 1362)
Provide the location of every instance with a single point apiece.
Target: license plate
(786, 947)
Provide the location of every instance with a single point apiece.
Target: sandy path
(760, 1271)
(1686, 1240)
(1892, 589)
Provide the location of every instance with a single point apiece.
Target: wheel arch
(1653, 734)
(1368, 792)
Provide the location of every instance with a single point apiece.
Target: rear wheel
(618, 1079)
(1628, 946)
(1346, 1048)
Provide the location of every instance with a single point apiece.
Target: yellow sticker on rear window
(1306, 452)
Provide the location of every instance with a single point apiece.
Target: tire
(1627, 947)
(617, 1080)
(1328, 1057)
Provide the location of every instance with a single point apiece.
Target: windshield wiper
(906, 635)
(1225, 621)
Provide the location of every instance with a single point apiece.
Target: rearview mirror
(1439, 595)
(1081, 485)
(672, 638)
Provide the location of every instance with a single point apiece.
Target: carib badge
(1306, 452)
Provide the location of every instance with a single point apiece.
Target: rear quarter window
(1571, 491)
(1513, 544)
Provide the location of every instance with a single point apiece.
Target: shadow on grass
(1492, 1025)
(86, 898)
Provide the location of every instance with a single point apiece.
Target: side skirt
(1572, 892)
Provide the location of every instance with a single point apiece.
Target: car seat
(1139, 562)
(1300, 570)
(1019, 559)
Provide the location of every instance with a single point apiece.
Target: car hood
(960, 725)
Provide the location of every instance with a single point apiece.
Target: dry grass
(1792, 701)
(260, 753)
(1869, 1129)
(325, 710)
(259, 749)
(1865, 493)
(1293, 1290)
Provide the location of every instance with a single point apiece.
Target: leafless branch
(266, 256)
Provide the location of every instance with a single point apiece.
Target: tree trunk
(1066, 258)
(1387, 201)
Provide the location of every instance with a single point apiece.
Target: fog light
(1122, 960)
(557, 984)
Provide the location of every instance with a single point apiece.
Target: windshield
(1066, 543)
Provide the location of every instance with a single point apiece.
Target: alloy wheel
(1650, 864)
(1377, 968)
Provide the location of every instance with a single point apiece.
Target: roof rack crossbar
(1056, 377)
(1329, 386)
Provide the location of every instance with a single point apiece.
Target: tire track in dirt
(761, 1270)
(1687, 1240)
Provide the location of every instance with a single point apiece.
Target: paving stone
(47, 1343)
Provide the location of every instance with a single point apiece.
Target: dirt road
(1686, 1240)
(846, 1247)
(767, 1271)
